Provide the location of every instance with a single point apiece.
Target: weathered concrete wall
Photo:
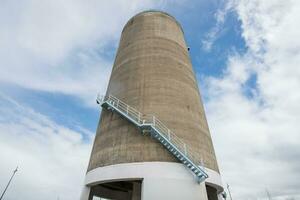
(152, 73)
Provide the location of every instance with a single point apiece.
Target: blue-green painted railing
(151, 124)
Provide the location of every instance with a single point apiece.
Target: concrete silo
(153, 140)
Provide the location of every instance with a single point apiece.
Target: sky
(56, 56)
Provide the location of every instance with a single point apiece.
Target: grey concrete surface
(153, 73)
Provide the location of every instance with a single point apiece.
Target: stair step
(199, 174)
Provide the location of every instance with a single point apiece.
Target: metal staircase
(150, 124)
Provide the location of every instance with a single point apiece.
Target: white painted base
(161, 180)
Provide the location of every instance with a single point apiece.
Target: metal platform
(150, 124)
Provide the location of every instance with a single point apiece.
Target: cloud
(62, 46)
(52, 159)
(257, 136)
(214, 33)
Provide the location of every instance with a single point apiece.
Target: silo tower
(153, 140)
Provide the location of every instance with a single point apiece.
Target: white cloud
(52, 159)
(257, 136)
(215, 32)
(59, 46)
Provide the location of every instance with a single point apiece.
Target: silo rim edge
(157, 11)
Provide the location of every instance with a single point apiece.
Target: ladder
(151, 124)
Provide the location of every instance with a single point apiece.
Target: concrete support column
(85, 193)
(137, 191)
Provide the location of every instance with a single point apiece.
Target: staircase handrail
(142, 119)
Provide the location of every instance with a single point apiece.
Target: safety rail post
(202, 165)
(139, 117)
(127, 108)
(169, 135)
(118, 103)
(110, 99)
(153, 120)
(184, 146)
